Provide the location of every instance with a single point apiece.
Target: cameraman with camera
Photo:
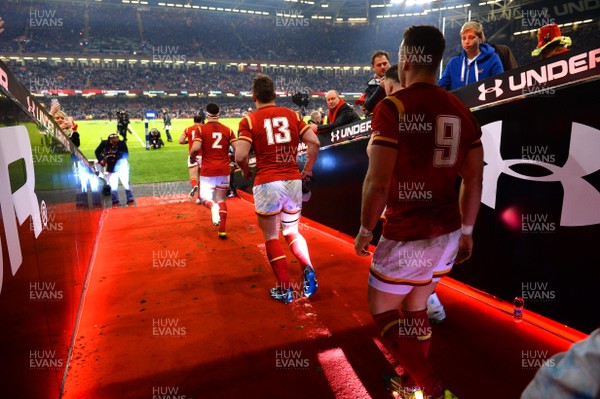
(155, 140)
(122, 123)
(112, 154)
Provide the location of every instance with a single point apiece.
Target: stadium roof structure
(356, 11)
(343, 11)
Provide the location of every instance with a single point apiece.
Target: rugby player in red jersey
(423, 139)
(275, 132)
(187, 137)
(214, 140)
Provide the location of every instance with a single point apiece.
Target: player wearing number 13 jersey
(275, 132)
(214, 139)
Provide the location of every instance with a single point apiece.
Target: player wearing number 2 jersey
(214, 139)
(423, 139)
(275, 132)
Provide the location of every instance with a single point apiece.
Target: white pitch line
(132, 130)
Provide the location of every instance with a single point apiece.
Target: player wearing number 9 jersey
(213, 140)
(432, 133)
(423, 139)
(275, 132)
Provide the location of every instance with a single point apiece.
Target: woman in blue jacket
(477, 61)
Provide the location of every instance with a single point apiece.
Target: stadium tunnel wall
(539, 221)
(51, 211)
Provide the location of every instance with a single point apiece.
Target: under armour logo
(335, 135)
(581, 200)
(495, 89)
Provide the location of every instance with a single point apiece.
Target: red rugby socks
(407, 339)
(278, 262)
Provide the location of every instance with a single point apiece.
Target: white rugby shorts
(274, 197)
(198, 160)
(398, 266)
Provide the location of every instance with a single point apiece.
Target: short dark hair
(430, 43)
(263, 88)
(212, 109)
(379, 53)
(392, 73)
(198, 119)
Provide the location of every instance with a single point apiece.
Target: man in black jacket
(167, 122)
(122, 123)
(112, 154)
(380, 61)
(339, 114)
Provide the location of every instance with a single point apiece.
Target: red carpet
(173, 312)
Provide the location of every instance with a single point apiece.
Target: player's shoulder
(390, 103)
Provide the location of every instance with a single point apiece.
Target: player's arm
(242, 155)
(195, 150)
(310, 139)
(382, 152)
(242, 147)
(469, 199)
(183, 138)
(382, 161)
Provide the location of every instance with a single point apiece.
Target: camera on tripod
(300, 99)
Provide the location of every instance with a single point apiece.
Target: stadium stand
(221, 39)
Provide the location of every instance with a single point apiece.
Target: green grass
(153, 166)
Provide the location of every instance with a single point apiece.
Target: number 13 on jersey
(282, 135)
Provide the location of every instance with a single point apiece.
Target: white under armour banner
(539, 222)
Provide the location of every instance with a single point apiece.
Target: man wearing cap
(112, 154)
(477, 61)
(550, 42)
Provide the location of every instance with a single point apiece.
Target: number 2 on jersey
(217, 137)
(283, 130)
(447, 136)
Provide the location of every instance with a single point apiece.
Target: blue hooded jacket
(459, 73)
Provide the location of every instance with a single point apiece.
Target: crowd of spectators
(40, 77)
(120, 29)
(100, 107)
(87, 28)
(95, 28)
